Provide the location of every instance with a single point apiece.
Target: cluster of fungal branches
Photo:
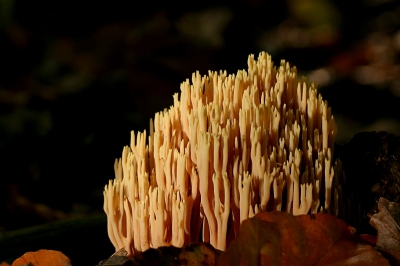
(230, 146)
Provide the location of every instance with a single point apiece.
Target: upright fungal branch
(230, 147)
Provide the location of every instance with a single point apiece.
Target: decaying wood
(119, 258)
(190, 254)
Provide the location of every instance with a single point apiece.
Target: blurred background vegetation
(77, 77)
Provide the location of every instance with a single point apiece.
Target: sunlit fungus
(230, 146)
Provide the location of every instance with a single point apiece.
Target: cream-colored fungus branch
(230, 146)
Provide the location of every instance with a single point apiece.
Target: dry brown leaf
(279, 238)
(387, 223)
(43, 257)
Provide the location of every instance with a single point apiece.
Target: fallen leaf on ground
(387, 223)
(43, 257)
(279, 238)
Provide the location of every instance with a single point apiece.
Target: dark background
(77, 77)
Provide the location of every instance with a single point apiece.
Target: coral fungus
(230, 146)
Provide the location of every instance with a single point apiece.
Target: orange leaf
(279, 238)
(43, 257)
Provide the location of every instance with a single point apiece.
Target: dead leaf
(279, 238)
(387, 223)
(368, 239)
(43, 257)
